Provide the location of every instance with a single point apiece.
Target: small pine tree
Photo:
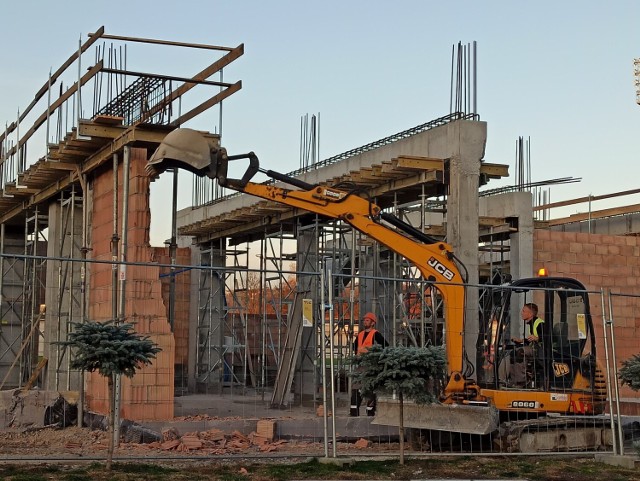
(630, 375)
(630, 372)
(112, 350)
(409, 372)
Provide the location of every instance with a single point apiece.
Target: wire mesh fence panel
(620, 331)
(533, 379)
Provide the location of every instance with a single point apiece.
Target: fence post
(615, 374)
(607, 367)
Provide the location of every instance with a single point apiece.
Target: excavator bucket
(457, 418)
(186, 149)
(191, 150)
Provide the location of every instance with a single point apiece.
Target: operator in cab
(528, 346)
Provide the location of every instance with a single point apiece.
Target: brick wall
(149, 394)
(182, 297)
(600, 261)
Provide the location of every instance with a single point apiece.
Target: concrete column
(11, 300)
(308, 287)
(516, 205)
(62, 298)
(466, 143)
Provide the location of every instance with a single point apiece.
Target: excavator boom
(570, 379)
(433, 258)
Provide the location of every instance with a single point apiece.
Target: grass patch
(27, 477)
(535, 469)
(77, 477)
(301, 470)
(149, 469)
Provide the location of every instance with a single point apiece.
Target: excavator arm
(464, 407)
(185, 148)
(435, 260)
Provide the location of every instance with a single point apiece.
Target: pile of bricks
(215, 441)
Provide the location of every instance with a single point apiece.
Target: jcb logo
(441, 269)
(560, 369)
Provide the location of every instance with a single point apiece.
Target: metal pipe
(172, 253)
(606, 356)
(323, 364)
(83, 288)
(453, 52)
(123, 281)
(394, 284)
(220, 111)
(46, 139)
(263, 317)
(352, 309)
(72, 244)
(25, 296)
(475, 78)
(58, 314)
(421, 296)
(165, 42)
(331, 363)
(18, 164)
(114, 242)
(589, 219)
(79, 102)
(615, 376)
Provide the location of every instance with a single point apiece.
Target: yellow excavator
(559, 404)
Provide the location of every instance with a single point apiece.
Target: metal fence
(258, 361)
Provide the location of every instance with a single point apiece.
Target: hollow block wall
(149, 394)
(601, 261)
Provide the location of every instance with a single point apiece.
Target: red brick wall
(600, 261)
(149, 394)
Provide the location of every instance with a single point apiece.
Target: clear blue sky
(559, 72)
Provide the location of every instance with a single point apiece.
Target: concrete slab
(629, 462)
(336, 461)
(241, 412)
(36, 408)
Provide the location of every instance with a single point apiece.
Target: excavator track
(556, 434)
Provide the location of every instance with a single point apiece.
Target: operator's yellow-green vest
(534, 329)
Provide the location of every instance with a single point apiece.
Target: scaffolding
(92, 107)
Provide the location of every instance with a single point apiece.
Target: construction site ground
(238, 436)
(210, 425)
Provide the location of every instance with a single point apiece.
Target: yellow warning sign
(582, 326)
(307, 313)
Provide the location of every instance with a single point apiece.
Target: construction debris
(215, 441)
(362, 443)
(37, 408)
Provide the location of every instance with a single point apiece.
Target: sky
(559, 73)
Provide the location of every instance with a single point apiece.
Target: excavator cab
(563, 359)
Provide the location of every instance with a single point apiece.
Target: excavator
(560, 404)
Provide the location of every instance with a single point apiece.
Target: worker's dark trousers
(356, 400)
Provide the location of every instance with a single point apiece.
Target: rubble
(37, 408)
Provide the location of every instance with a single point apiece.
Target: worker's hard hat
(371, 316)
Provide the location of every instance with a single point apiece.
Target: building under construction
(235, 297)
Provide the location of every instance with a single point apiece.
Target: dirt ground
(231, 456)
(75, 442)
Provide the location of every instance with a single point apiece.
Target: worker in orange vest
(366, 338)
